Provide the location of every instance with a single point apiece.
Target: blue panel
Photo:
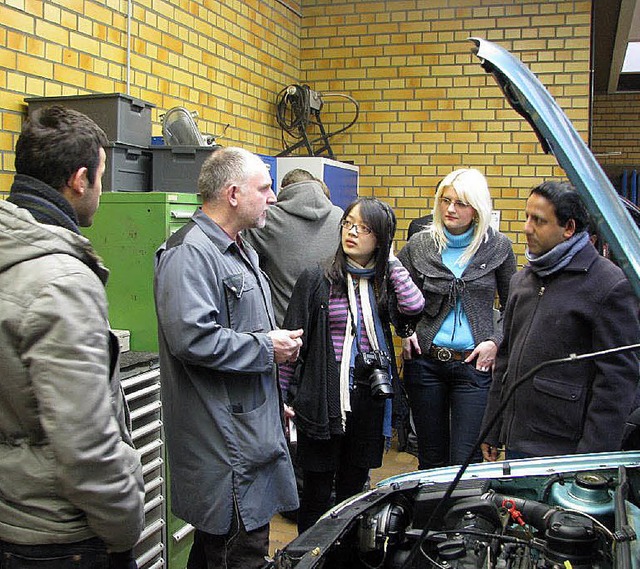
(343, 184)
(272, 164)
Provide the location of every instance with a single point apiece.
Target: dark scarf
(49, 207)
(559, 257)
(43, 202)
(368, 273)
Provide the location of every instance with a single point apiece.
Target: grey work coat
(219, 387)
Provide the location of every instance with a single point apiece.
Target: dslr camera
(372, 369)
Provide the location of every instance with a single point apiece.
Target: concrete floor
(394, 462)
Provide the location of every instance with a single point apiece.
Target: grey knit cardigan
(488, 272)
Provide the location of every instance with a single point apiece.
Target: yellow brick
(17, 20)
(16, 82)
(35, 66)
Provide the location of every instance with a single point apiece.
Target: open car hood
(528, 96)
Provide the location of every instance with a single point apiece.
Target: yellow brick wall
(426, 105)
(616, 129)
(225, 59)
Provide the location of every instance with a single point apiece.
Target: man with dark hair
(294, 176)
(230, 469)
(302, 230)
(71, 486)
(567, 300)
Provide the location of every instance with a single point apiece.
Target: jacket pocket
(259, 436)
(557, 408)
(244, 303)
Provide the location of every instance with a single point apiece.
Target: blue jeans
(447, 402)
(88, 554)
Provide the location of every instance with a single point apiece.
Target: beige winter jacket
(68, 471)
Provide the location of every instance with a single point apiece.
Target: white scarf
(349, 336)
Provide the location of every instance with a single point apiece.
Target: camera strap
(368, 306)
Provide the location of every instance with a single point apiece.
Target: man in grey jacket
(302, 229)
(71, 487)
(230, 468)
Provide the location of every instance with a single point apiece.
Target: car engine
(568, 521)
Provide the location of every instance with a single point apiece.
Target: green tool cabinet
(127, 229)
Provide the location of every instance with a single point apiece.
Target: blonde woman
(459, 262)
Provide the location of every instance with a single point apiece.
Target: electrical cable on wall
(298, 110)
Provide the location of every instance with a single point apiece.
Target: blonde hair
(471, 187)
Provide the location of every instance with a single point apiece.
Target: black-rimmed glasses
(360, 229)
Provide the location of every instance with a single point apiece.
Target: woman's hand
(410, 347)
(485, 352)
(489, 452)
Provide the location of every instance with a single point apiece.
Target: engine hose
(534, 513)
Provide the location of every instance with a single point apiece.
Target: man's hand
(289, 413)
(489, 453)
(286, 345)
(410, 347)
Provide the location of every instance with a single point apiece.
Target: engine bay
(560, 520)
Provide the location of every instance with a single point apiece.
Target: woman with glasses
(341, 387)
(460, 263)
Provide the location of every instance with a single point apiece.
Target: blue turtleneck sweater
(455, 332)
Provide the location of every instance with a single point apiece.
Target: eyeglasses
(456, 203)
(348, 225)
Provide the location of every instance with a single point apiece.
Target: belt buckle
(444, 354)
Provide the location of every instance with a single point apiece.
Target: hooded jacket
(68, 471)
(302, 230)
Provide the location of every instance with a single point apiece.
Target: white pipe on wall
(129, 9)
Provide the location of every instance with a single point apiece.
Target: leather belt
(447, 354)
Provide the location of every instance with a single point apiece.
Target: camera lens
(380, 384)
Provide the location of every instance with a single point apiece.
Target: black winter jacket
(314, 391)
(578, 407)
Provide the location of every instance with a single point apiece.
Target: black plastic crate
(128, 169)
(176, 168)
(124, 119)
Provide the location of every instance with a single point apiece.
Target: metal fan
(179, 129)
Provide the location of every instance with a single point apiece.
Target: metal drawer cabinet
(140, 379)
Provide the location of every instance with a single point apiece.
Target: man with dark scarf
(71, 486)
(567, 300)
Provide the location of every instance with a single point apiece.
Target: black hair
(382, 221)
(55, 142)
(566, 202)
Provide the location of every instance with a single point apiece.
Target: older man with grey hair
(230, 468)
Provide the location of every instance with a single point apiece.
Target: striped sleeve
(285, 373)
(410, 299)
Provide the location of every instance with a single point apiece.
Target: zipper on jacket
(541, 291)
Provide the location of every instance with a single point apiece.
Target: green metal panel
(126, 231)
